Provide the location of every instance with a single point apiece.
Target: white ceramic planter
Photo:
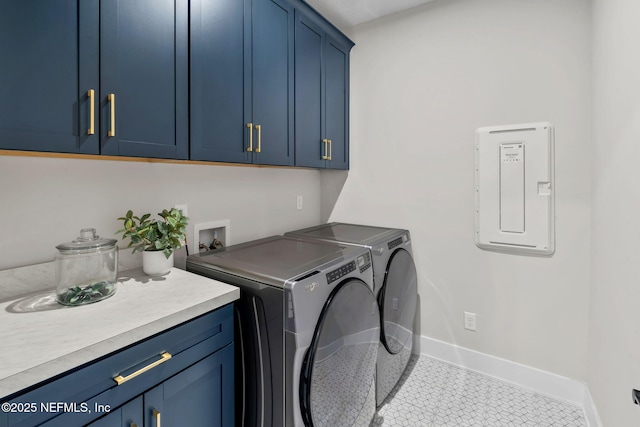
(155, 263)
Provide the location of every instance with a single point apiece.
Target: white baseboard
(590, 411)
(543, 382)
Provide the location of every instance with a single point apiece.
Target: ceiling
(348, 13)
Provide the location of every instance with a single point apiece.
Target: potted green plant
(156, 238)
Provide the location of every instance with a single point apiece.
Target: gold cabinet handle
(259, 129)
(112, 128)
(324, 149)
(330, 150)
(163, 358)
(134, 425)
(92, 112)
(156, 416)
(250, 126)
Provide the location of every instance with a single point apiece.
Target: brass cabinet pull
(250, 126)
(112, 128)
(92, 112)
(163, 358)
(156, 416)
(330, 150)
(324, 149)
(134, 425)
(259, 129)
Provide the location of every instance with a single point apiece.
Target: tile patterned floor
(433, 393)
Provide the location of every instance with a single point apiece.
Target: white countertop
(40, 338)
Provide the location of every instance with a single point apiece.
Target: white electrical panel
(514, 188)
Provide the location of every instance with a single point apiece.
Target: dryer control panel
(397, 242)
(364, 262)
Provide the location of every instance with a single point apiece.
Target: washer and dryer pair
(395, 288)
(308, 324)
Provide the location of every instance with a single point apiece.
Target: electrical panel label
(512, 187)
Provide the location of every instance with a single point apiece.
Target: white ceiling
(348, 13)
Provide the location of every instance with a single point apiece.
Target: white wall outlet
(299, 203)
(469, 321)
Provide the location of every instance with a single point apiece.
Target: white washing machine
(307, 331)
(395, 287)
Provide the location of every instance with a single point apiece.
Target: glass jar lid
(88, 240)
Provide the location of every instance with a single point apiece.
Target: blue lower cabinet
(129, 415)
(200, 396)
(181, 377)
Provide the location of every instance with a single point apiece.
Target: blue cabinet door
(321, 97)
(270, 82)
(144, 78)
(127, 415)
(217, 34)
(241, 73)
(310, 148)
(336, 107)
(49, 63)
(199, 396)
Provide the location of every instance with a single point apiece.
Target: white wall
(614, 367)
(46, 201)
(421, 82)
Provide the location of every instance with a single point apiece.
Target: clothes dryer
(395, 287)
(307, 328)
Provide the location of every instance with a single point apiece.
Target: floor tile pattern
(342, 394)
(433, 393)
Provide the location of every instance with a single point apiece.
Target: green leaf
(162, 226)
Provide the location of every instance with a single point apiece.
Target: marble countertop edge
(179, 297)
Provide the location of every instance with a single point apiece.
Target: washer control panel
(338, 273)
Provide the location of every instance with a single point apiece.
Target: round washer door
(397, 300)
(337, 383)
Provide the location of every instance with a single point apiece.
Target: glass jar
(86, 269)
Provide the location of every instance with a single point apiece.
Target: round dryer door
(397, 300)
(337, 384)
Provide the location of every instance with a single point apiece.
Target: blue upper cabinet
(242, 81)
(49, 52)
(271, 82)
(95, 77)
(336, 107)
(217, 81)
(144, 107)
(311, 144)
(321, 94)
